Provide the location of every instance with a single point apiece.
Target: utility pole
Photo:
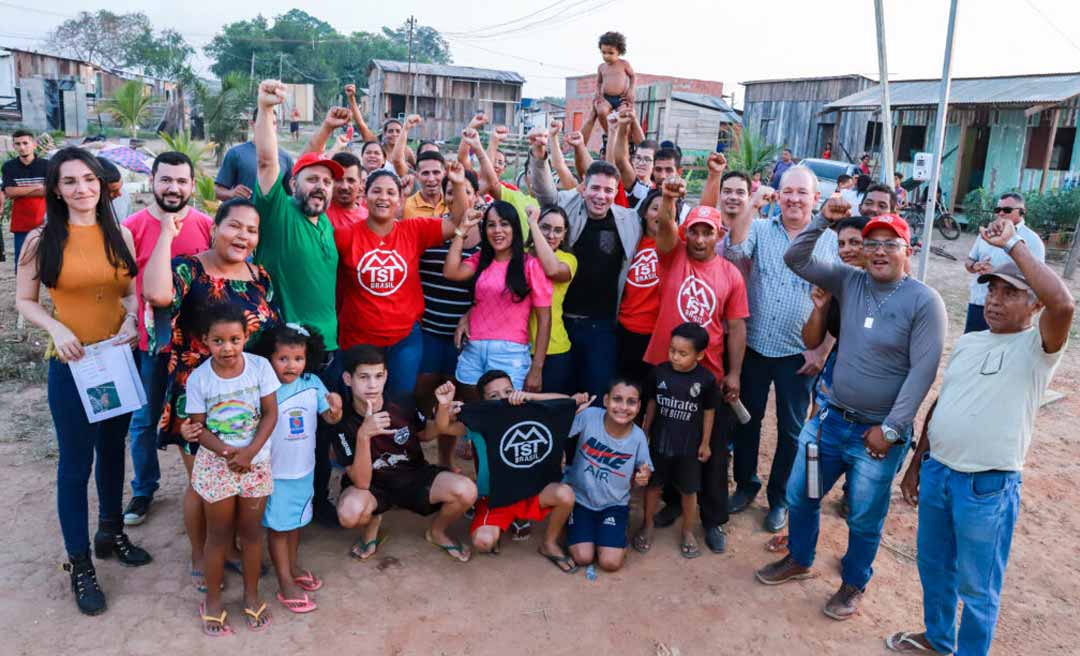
(886, 109)
(252, 76)
(280, 63)
(409, 100)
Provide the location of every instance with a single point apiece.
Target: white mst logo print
(381, 272)
(696, 301)
(643, 269)
(524, 444)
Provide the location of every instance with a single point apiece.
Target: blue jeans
(759, 372)
(78, 440)
(841, 451)
(965, 532)
(403, 366)
(20, 238)
(976, 319)
(144, 456)
(592, 353)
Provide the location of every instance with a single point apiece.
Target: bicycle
(945, 222)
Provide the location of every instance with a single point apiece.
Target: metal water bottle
(813, 472)
(741, 413)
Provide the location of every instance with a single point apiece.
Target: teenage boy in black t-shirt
(379, 443)
(681, 409)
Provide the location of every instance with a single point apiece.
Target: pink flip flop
(308, 582)
(299, 606)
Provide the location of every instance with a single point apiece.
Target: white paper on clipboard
(108, 381)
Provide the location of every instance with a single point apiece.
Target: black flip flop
(559, 561)
(689, 551)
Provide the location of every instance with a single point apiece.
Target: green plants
(205, 196)
(183, 143)
(223, 112)
(129, 106)
(749, 152)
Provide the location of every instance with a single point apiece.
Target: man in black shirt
(24, 184)
(379, 443)
(604, 237)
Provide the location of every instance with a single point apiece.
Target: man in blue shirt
(236, 177)
(775, 352)
(785, 163)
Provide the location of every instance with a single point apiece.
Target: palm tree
(129, 106)
(183, 143)
(223, 112)
(750, 153)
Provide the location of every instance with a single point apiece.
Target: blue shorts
(604, 528)
(482, 355)
(289, 505)
(440, 355)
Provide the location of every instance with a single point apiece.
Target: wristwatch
(1012, 242)
(458, 232)
(891, 435)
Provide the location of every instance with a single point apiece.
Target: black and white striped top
(445, 302)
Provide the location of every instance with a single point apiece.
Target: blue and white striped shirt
(779, 300)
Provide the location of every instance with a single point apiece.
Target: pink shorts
(212, 479)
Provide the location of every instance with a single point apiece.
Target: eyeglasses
(891, 246)
(1009, 210)
(642, 159)
(552, 230)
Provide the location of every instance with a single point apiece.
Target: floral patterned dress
(194, 290)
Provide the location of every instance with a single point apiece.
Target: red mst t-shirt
(641, 296)
(706, 293)
(379, 295)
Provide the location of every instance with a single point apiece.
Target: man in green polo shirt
(296, 240)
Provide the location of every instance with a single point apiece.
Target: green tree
(104, 38)
(223, 111)
(129, 106)
(428, 44)
(750, 152)
(168, 56)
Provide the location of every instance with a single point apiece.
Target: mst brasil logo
(524, 444)
(381, 272)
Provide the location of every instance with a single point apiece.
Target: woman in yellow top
(548, 228)
(85, 259)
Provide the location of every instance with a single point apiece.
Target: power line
(546, 23)
(1053, 26)
(505, 23)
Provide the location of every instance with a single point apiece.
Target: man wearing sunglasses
(894, 333)
(985, 257)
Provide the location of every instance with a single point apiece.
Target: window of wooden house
(1062, 150)
(912, 140)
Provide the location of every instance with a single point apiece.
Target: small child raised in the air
(614, 82)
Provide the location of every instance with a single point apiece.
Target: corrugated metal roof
(849, 76)
(444, 70)
(1023, 90)
(710, 102)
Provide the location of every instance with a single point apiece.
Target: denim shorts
(482, 355)
(440, 355)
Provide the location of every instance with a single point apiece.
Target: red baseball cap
(318, 159)
(892, 222)
(705, 214)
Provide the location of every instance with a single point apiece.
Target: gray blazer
(627, 221)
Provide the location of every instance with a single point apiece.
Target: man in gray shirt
(894, 333)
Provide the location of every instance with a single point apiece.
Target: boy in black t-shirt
(681, 410)
(379, 443)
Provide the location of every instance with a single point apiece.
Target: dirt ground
(413, 600)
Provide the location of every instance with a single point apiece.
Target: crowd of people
(342, 308)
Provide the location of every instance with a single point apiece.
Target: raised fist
(350, 91)
(455, 172)
(477, 121)
(575, 139)
(717, 163)
(998, 233)
(835, 209)
(472, 138)
(337, 117)
(538, 139)
(271, 93)
(555, 127)
(674, 187)
(500, 133)
(412, 121)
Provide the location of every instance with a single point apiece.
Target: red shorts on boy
(213, 481)
(525, 510)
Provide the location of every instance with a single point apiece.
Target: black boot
(111, 540)
(88, 595)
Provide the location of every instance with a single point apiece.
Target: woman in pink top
(508, 286)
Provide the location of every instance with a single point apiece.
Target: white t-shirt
(292, 454)
(982, 250)
(990, 394)
(233, 406)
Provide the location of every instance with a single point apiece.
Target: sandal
(308, 582)
(255, 620)
(198, 580)
(237, 566)
(450, 549)
(299, 606)
(905, 641)
(223, 628)
(777, 543)
(642, 544)
(520, 530)
(689, 550)
(560, 561)
(360, 546)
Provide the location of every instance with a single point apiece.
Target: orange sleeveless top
(88, 293)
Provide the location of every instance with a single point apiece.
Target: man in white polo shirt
(965, 476)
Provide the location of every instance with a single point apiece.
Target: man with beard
(347, 206)
(296, 239)
(172, 178)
